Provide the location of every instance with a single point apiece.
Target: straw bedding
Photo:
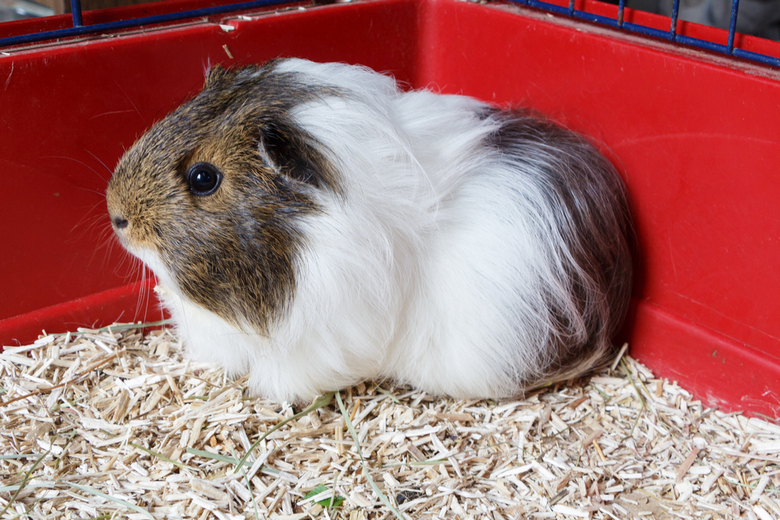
(115, 424)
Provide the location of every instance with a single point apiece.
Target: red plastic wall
(695, 136)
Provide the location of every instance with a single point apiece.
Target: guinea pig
(314, 226)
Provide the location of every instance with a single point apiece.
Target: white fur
(427, 268)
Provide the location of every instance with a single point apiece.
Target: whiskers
(131, 270)
(131, 103)
(103, 179)
(145, 297)
(143, 281)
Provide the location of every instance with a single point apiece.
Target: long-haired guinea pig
(313, 226)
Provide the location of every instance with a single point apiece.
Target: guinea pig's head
(210, 198)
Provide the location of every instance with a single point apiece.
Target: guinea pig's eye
(203, 178)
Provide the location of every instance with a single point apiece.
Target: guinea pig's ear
(287, 152)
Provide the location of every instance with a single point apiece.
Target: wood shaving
(115, 424)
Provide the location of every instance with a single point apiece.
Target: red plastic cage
(694, 133)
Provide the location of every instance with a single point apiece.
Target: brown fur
(241, 269)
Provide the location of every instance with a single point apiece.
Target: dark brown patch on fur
(233, 252)
(591, 214)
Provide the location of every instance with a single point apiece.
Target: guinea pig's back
(511, 291)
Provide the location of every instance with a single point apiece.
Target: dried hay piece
(112, 424)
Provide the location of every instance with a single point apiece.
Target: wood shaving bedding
(115, 424)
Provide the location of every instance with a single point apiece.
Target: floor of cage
(115, 424)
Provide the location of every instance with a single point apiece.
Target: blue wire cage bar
(670, 35)
(79, 28)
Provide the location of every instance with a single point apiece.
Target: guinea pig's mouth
(126, 230)
(149, 258)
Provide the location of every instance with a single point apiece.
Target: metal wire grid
(80, 29)
(670, 35)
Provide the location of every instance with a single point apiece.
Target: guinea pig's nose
(119, 222)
